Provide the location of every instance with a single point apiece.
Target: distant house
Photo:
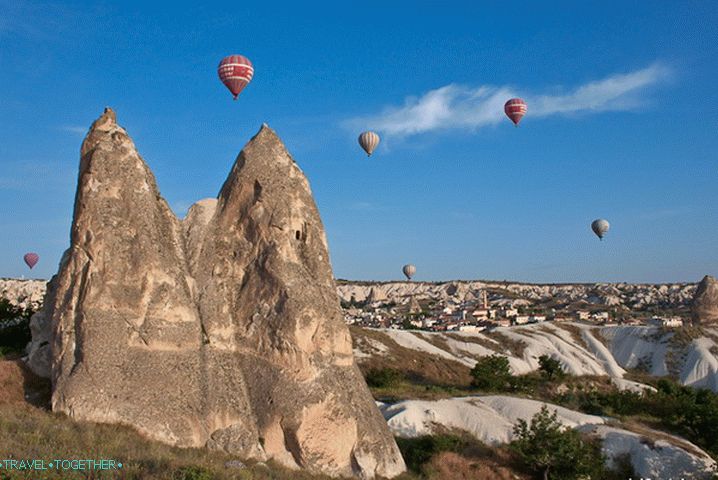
(668, 322)
(429, 322)
(521, 319)
(600, 316)
(510, 312)
(583, 315)
(480, 313)
(537, 318)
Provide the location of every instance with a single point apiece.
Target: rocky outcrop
(705, 301)
(223, 330)
(22, 293)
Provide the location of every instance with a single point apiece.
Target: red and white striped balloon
(235, 71)
(515, 109)
(31, 259)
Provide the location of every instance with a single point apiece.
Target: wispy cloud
(74, 129)
(458, 106)
(669, 212)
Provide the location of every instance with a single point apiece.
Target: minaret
(484, 300)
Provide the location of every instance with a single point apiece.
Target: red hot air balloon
(236, 72)
(515, 109)
(31, 259)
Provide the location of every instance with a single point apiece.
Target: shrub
(550, 367)
(383, 377)
(14, 327)
(492, 373)
(548, 448)
(418, 451)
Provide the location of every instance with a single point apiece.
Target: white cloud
(75, 129)
(458, 106)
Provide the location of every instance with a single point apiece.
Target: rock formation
(705, 301)
(222, 330)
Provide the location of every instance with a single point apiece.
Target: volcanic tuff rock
(705, 302)
(222, 330)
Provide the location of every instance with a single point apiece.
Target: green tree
(553, 451)
(550, 367)
(492, 373)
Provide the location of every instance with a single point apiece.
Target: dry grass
(419, 367)
(29, 431)
(455, 466)
(516, 347)
(574, 331)
(479, 340)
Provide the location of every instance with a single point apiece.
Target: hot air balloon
(368, 141)
(31, 259)
(515, 109)
(600, 227)
(236, 72)
(409, 270)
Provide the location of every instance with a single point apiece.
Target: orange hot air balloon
(235, 71)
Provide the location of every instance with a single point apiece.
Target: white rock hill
(608, 350)
(491, 419)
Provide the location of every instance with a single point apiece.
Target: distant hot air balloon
(31, 259)
(236, 72)
(515, 109)
(369, 141)
(409, 270)
(600, 227)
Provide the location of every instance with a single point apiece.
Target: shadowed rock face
(705, 302)
(223, 330)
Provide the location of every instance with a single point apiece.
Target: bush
(548, 448)
(14, 327)
(492, 373)
(550, 367)
(383, 377)
(194, 473)
(418, 451)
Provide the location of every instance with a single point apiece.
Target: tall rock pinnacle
(222, 330)
(705, 301)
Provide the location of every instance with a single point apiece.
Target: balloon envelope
(235, 71)
(409, 270)
(600, 227)
(369, 141)
(31, 259)
(515, 109)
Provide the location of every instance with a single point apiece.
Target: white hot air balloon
(600, 227)
(369, 141)
(409, 270)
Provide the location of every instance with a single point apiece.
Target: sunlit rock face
(705, 302)
(222, 330)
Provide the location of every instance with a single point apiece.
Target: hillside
(689, 355)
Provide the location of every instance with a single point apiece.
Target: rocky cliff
(223, 330)
(705, 302)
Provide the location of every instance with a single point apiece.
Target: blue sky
(622, 124)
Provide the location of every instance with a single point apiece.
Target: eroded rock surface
(222, 330)
(705, 302)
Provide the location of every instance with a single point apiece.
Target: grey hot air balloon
(368, 141)
(409, 270)
(600, 227)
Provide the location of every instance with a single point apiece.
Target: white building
(600, 316)
(521, 319)
(668, 322)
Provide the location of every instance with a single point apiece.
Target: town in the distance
(474, 306)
